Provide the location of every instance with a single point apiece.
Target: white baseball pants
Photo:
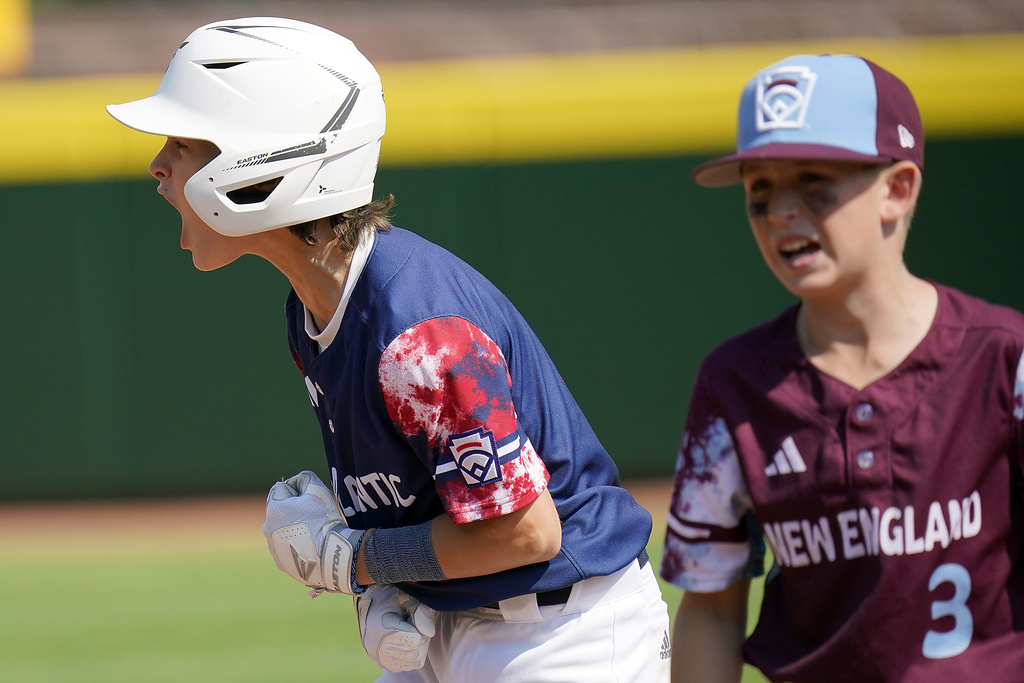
(613, 629)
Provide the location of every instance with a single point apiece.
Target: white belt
(584, 595)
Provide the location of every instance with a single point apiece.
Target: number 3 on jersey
(953, 642)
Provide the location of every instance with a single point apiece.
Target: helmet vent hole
(254, 194)
(222, 65)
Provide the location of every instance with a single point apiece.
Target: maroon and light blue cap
(829, 107)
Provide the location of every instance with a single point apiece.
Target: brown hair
(351, 226)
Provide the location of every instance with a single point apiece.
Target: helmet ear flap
(214, 193)
(348, 174)
(289, 193)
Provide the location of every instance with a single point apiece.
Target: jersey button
(864, 412)
(330, 423)
(865, 459)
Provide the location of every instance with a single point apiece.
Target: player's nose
(783, 206)
(159, 168)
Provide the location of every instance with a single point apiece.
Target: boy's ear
(903, 185)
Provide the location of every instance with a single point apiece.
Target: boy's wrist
(401, 555)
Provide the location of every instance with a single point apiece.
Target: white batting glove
(396, 628)
(307, 536)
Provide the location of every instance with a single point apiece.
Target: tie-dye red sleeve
(447, 388)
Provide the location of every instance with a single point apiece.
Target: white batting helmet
(282, 99)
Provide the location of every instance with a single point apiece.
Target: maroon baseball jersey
(895, 512)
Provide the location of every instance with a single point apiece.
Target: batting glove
(307, 536)
(395, 627)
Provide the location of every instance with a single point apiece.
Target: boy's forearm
(708, 636)
(526, 536)
(531, 534)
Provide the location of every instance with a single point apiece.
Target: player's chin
(798, 283)
(208, 265)
(810, 286)
(206, 261)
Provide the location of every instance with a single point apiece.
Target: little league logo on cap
(838, 108)
(782, 97)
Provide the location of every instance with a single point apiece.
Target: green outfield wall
(564, 180)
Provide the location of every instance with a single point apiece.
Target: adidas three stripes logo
(787, 460)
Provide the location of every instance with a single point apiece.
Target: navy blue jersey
(895, 512)
(436, 397)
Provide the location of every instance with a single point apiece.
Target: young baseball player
(872, 433)
(470, 508)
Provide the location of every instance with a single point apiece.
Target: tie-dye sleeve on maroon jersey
(706, 542)
(447, 389)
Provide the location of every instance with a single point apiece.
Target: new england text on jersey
(869, 532)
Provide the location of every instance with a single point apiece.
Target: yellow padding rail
(634, 104)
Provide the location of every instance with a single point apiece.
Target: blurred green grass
(179, 608)
(160, 618)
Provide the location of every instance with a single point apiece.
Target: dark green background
(126, 372)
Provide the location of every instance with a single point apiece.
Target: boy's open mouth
(794, 249)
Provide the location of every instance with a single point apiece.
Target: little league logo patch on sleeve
(782, 96)
(476, 457)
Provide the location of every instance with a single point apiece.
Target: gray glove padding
(307, 536)
(395, 627)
